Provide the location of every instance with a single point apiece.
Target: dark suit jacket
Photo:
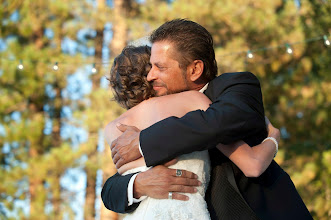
(236, 113)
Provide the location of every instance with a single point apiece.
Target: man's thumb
(171, 162)
(121, 127)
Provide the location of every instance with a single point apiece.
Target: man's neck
(198, 87)
(198, 84)
(204, 88)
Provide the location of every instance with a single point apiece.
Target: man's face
(166, 75)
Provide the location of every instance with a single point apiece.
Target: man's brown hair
(192, 42)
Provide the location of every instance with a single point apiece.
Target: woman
(132, 91)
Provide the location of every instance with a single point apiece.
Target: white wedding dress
(166, 209)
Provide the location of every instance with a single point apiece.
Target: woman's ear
(196, 70)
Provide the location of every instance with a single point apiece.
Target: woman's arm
(252, 161)
(134, 164)
(111, 133)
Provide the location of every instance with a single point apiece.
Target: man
(182, 59)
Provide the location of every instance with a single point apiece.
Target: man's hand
(158, 181)
(125, 148)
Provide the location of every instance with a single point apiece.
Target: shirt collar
(204, 88)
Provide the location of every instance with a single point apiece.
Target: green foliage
(35, 159)
(296, 87)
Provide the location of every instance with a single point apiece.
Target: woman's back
(144, 115)
(156, 109)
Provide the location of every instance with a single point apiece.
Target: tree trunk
(121, 9)
(36, 190)
(120, 26)
(90, 196)
(56, 197)
(56, 140)
(89, 209)
(36, 181)
(108, 171)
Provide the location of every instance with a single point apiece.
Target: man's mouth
(157, 86)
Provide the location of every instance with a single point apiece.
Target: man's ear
(196, 70)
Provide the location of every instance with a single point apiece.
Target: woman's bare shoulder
(186, 96)
(193, 94)
(194, 100)
(179, 103)
(111, 132)
(130, 117)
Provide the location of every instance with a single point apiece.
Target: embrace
(192, 145)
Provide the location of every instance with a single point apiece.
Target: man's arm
(156, 183)
(160, 180)
(236, 113)
(114, 194)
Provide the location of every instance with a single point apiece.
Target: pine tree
(39, 117)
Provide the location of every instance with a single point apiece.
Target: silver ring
(170, 195)
(179, 172)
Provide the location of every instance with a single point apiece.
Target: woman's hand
(252, 161)
(272, 131)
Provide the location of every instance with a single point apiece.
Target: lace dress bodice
(166, 209)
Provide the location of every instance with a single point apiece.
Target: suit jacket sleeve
(236, 113)
(114, 194)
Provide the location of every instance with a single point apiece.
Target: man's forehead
(163, 50)
(162, 46)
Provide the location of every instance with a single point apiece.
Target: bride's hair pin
(143, 41)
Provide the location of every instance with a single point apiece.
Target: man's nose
(151, 74)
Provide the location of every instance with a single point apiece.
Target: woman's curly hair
(128, 76)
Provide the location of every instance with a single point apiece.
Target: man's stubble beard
(169, 92)
(186, 88)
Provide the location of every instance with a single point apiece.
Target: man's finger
(122, 127)
(182, 189)
(113, 144)
(120, 163)
(178, 196)
(184, 173)
(171, 162)
(186, 181)
(116, 158)
(113, 152)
